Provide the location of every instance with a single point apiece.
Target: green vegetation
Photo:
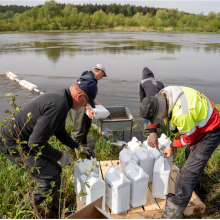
(14, 184)
(69, 17)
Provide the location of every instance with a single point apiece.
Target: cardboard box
(91, 211)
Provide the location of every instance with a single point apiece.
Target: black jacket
(49, 116)
(148, 86)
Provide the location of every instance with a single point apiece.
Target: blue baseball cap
(89, 86)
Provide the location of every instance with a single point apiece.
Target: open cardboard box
(91, 211)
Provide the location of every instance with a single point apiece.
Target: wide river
(53, 61)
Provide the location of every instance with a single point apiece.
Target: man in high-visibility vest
(196, 122)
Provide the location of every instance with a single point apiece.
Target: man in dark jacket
(82, 122)
(49, 112)
(148, 86)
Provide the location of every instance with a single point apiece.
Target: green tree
(50, 9)
(211, 15)
(129, 12)
(68, 9)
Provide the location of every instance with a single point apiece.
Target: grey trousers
(81, 125)
(49, 171)
(196, 160)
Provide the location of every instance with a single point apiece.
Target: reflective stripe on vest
(186, 103)
(183, 143)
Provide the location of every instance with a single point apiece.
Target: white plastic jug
(134, 143)
(161, 178)
(125, 156)
(117, 188)
(96, 189)
(154, 152)
(163, 142)
(101, 112)
(145, 160)
(80, 168)
(139, 184)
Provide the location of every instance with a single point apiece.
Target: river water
(53, 61)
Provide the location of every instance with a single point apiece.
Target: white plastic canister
(145, 160)
(117, 187)
(95, 190)
(101, 112)
(153, 151)
(80, 168)
(163, 142)
(161, 177)
(139, 184)
(134, 143)
(125, 156)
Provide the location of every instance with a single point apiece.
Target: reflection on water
(176, 59)
(54, 48)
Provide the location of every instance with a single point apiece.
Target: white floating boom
(24, 83)
(11, 76)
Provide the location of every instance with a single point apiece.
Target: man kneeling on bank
(196, 122)
(49, 113)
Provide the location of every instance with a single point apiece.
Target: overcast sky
(195, 7)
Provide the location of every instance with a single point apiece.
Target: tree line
(56, 16)
(88, 8)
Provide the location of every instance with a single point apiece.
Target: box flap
(104, 213)
(91, 211)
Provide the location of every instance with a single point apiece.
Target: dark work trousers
(196, 160)
(81, 125)
(49, 171)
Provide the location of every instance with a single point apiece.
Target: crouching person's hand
(65, 160)
(88, 152)
(168, 152)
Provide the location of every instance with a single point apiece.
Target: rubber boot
(174, 207)
(146, 130)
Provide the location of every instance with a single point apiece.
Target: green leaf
(87, 184)
(9, 95)
(29, 114)
(8, 112)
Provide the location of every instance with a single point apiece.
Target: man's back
(48, 112)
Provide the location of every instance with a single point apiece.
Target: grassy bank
(115, 29)
(14, 185)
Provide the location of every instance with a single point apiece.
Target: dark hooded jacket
(149, 86)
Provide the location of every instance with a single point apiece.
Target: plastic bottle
(80, 168)
(163, 142)
(134, 143)
(125, 156)
(117, 187)
(161, 178)
(153, 151)
(145, 160)
(101, 112)
(95, 190)
(139, 184)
